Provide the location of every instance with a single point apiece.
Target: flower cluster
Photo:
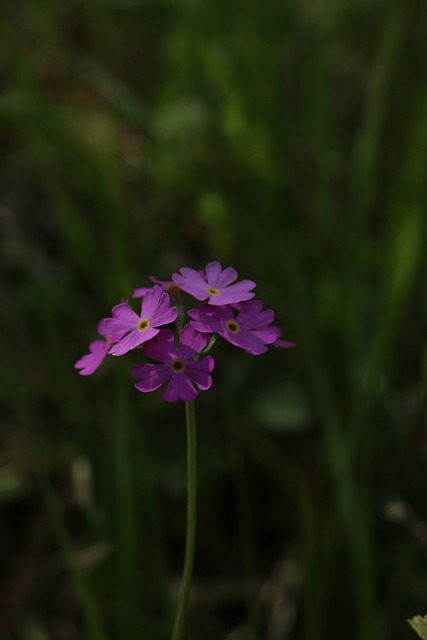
(225, 311)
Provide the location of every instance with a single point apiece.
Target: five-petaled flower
(214, 286)
(156, 311)
(184, 374)
(247, 328)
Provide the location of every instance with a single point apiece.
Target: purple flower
(248, 329)
(156, 311)
(166, 285)
(185, 375)
(98, 350)
(215, 286)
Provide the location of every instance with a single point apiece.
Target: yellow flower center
(232, 326)
(177, 365)
(213, 291)
(143, 325)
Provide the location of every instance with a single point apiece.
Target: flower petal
(253, 320)
(187, 391)
(213, 273)
(196, 277)
(210, 319)
(199, 371)
(102, 329)
(191, 342)
(164, 313)
(162, 348)
(150, 301)
(246, 340)
(124, 319)
(281, 344)
(132, 340)
(91, 361)
(227, 276)
(180, 387)
(191, 282)
(140, 293)
(265, 334)
(284, 344)
(171, 393)
(249, 309)
(238, 292)
(152, 376)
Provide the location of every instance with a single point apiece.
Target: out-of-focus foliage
(419, 624)
(288, 139)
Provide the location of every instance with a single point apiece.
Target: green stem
(184, 592)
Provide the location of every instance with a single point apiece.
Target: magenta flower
(98, 350)
(248, 329)
(215, 285)
(156, 311)
(185, 375)
(166, 285)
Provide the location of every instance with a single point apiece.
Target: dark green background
(288, 139)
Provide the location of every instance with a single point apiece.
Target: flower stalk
(190, 537)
